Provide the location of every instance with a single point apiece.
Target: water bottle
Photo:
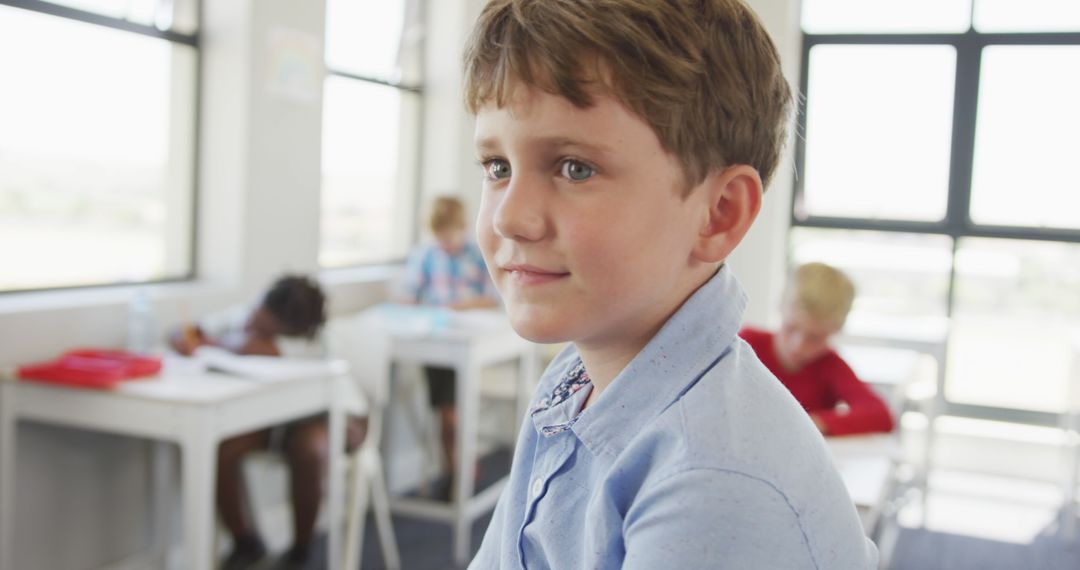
(142, 329)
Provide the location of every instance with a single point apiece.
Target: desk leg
(199, 450)
(7, 474)
(161, 478)
(467, 399)
(335, 472)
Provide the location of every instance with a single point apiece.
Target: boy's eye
(577, 170)
(496, 169)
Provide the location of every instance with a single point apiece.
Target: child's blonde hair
(820, 291)
(447, 213)
(703, 74)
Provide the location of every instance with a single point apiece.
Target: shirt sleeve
(865, 413)
(706, 518)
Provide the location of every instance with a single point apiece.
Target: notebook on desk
(266, 368)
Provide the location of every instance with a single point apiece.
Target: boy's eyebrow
(492, 144)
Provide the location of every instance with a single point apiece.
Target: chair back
(362, 341)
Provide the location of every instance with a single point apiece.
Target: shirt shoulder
(739, 420)
(731, 417)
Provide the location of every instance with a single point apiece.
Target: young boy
(625, 146)
(449, 273)
(815, 305)
(285, 322)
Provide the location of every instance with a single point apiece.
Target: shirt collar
(688, 344)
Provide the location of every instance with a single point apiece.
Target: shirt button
(537, 487)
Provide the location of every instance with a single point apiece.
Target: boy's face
(264, 324)
(802, 339)
(582, 220)
(451, 240)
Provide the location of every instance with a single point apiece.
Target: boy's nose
(520, 213)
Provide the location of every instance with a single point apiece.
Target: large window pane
(878, 131)
(1026, 143)
(885, 16)
(1016, 306)
(1027, 16)
(96, 154)
(177, 15)
(368, 170)
(373, 39)
(896, 274)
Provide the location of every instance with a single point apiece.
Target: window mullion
(965, 111)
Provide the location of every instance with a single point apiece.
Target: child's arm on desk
(865, 412)
(187, 338)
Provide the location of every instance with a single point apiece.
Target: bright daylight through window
(936, 166)
(97, 123)
(371, 125)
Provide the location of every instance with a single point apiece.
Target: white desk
(890, 371)
(192, 408)
(868, 463)
(467, 348)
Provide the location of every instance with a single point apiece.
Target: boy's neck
(604, 360)
(604, 365)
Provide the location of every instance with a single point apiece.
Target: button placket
(537, 488)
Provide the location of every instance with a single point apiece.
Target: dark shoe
(294, 559)
(441, 489)
(245, 555)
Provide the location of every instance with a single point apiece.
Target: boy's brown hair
(447, 213)
(820, 291)
(702, 73)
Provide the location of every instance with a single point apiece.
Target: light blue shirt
(694, 457)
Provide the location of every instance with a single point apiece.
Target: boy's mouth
(523, 274)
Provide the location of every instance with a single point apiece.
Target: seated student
(625, 146)
(450, 273)
(815, 305)
(285, 322)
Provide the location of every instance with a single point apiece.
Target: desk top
(865, 463)
(411, 322)
(881, 365)
(187, 380)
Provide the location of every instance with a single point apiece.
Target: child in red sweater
(815, 305)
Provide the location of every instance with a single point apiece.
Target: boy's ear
(733, 200)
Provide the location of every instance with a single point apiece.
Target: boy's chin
(535, 328)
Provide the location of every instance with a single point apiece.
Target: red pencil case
(91, 368)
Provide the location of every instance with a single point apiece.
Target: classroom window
(1026, 142)
(1016, 311)
(865, 136)
(97, 144)
(900, 275)
(372, 105)
(885, 16)
(1027, 16)
(934, 165)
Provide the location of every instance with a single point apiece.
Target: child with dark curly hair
(286, 322)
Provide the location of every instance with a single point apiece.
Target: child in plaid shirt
(448, 273)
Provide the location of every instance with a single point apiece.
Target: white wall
(760, 261)
(258, 216)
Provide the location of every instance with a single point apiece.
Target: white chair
(361, 340)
